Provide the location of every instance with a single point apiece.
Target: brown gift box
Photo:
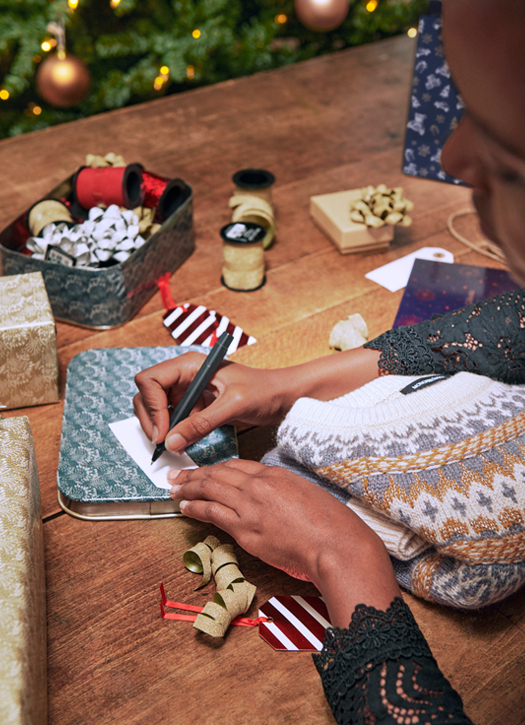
(23, 694)
(331, 212)
(28, 350)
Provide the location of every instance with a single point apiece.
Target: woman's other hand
(294, 525)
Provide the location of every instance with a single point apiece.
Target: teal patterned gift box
(96, 476)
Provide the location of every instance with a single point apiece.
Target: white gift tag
(395, 275)
(135, 442)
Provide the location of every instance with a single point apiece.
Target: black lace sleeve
(380, 671)
(487, 338)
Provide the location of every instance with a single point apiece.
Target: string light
(281, 19)
(46, 46)
(4, 94)
(158, 83)
(114, 3)
(371, 5)
(196, 33)
(37, 110)
(164, 71)
(190, 72)
(412, 32)
(73, 4)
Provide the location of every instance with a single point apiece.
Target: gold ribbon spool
(243, 256)
(46, 212)
(252, 200)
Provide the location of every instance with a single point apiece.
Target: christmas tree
(137, 50)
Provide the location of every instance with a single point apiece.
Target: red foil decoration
(154, 185)
(163, 194)
(120, 185)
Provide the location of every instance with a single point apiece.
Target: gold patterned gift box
(28, 350)
(23, 693)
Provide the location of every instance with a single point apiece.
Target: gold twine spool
(45, 212)
(243, 256)
(252, 200)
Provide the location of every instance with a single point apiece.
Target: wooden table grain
(328, 124)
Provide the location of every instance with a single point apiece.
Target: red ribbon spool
(163, 193)
(120, 185)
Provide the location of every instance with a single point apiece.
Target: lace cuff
(487, 338)
(380, 671)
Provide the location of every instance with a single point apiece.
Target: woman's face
(485, 47)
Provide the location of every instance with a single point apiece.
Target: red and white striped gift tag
(196, 325)
(297, 624)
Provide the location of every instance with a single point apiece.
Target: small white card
(395, 275)
(136, 443)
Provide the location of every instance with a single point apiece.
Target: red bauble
(63, 82)
(321, 15)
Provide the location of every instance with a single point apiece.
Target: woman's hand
(237, 394)
(294, 525)
(241, 395)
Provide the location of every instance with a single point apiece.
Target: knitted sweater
(446, 460)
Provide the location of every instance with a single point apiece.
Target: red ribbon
(120, 185)
(239, 621)
(165, 292)
(154, 185)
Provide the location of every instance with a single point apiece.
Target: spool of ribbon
(164, 194)
(120, 185)
(256, 182)
(243, 263)
(46, 212)
(252, 200)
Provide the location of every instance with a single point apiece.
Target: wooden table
(329, 124)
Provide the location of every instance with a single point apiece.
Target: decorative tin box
(104, 297)
(28, 349)
(96, 478)
(23, 655)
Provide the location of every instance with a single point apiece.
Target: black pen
(197, 386)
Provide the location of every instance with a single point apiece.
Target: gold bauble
(63, 81)
(321, 15)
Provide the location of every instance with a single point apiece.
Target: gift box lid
(24, 301)
(97, 479)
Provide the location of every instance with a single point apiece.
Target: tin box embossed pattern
(28, 351)
(23, 655)
(106, 297)
(93, 466)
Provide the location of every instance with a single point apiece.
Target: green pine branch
(125, 47)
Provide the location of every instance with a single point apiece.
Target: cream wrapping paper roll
(23, 655)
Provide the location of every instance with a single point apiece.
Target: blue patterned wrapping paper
(436, 107)
(93, 466)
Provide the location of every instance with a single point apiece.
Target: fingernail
(182, 506)
(172, 474)
(175, 443)
(154, 434)
(174, 490)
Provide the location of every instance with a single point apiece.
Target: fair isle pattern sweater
(448, 461)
